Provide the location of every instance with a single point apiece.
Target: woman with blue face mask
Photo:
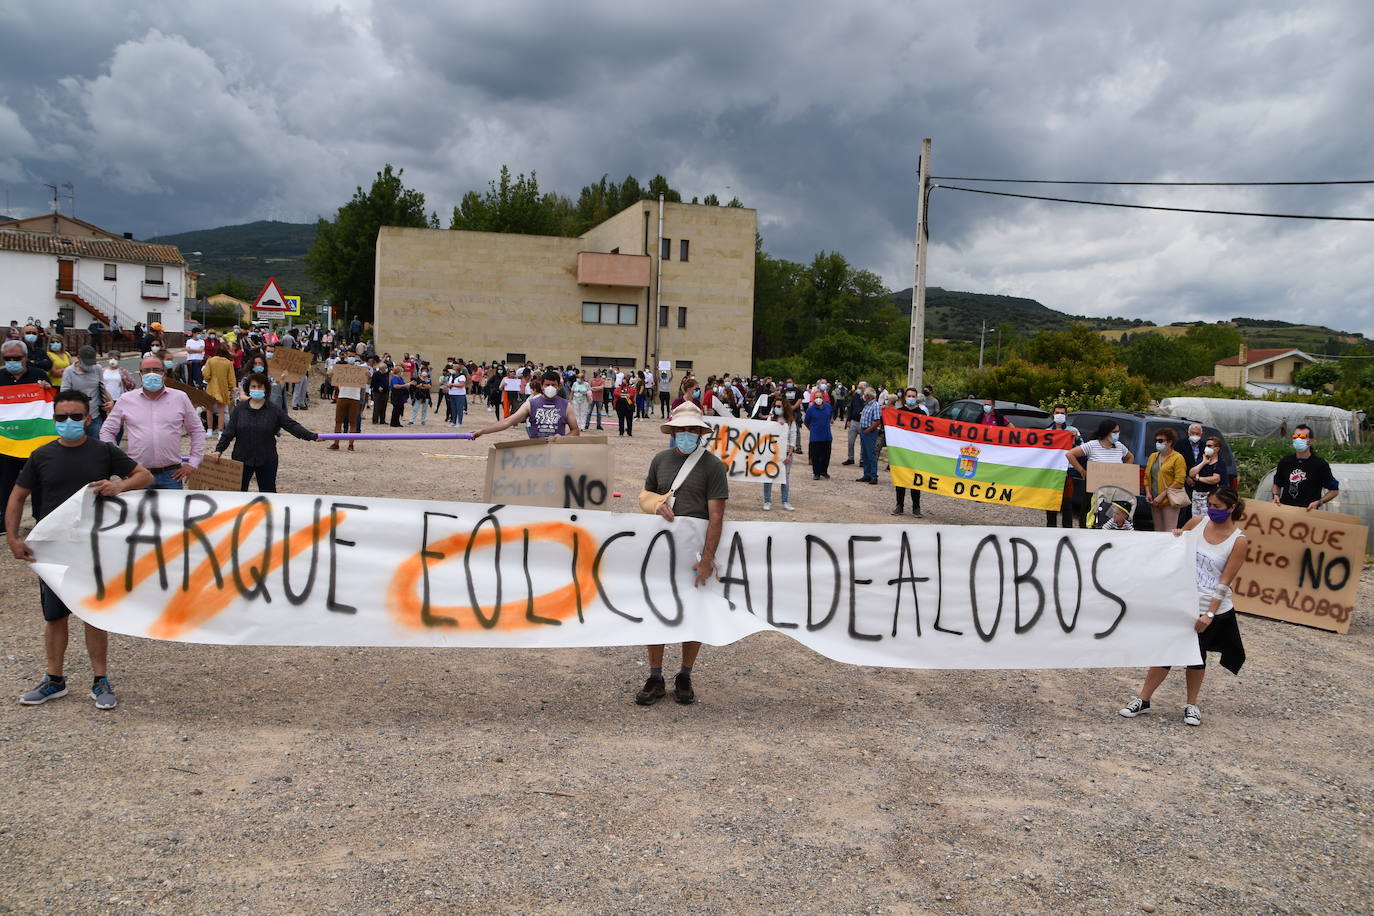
(779, 410)
(1103, 445)
(1219, 548)
(252, 430)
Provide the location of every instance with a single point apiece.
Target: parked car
(969, 410)
(1138, 434)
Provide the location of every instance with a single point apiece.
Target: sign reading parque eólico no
(295, 569)
(753, 451)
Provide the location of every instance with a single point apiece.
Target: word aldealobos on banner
(291, 569)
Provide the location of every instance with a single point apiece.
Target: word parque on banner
(290, 569)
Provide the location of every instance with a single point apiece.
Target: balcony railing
(156, 289)
(597, 268)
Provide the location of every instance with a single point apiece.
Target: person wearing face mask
(54, 473)
(37, 342)
(219, 384)
(931, 402)
(1190, 447)
(991, 415)
(820, 439)
(1073, 481)
(911, 403)
(421, 385)
(17, 371)
(1205, 477)
(625, 394)
(155, 418)
(780, 411)
(1304, 478)
(698, 489)
(116, 379)
(546, 415)
(1219, 547)
(253, 430)
(195, 359)
(1164, 476)
(84, 376)
(852, 411)
(1105, 445)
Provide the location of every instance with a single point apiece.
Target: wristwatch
(1207, 614)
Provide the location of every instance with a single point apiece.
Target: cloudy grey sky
(175, 115)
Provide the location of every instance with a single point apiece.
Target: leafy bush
(789, 367)
(1080, 385)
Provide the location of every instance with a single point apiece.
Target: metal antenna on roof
(71, 195)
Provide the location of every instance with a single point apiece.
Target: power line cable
(1165, 184)
(1103, 203)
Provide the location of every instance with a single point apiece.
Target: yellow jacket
(1171, 474)
(219, 379)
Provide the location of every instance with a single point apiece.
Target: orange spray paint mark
(407, 608)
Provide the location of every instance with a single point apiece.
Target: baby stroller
(1103, 501)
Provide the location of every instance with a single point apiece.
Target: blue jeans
(162, 480)
(419, 406)
(768, 493)
(458, 406)
(595, 407)
(868, 444)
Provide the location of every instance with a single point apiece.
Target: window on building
(684, 364)
(618, 361)
(682, 250)
(152, 317)
(514, 358)
(663, 316)
(1268, 370)
(111, 272)
(665, 250)
(609, 313)
(681, 317)
(152, 274)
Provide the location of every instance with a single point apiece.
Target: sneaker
(103, 694)
(863, 479)
(847, 461)
(767, 507)
(1192, 715)
(916, 513)
(682, 689)
(898, 511)
(1137, 707)
(789, 507)
(47, 689)
(653, 691)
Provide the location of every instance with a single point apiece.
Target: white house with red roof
(55, 265)
(1259, 372)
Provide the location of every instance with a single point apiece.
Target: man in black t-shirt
(1301, 478)
(53, 473)
(701, 495)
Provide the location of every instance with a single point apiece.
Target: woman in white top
(581, 395)
(780, 411)
(1103, 445)
(457, 393)
(1220, 548)
(195, 360)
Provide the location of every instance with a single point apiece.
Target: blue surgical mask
(31, 338)
(71, 430)
(696, 394)
(54, 346)
(1116, 437)
(152, 381)
(987, 408)
(257, 394)
(259, 368)
(686, 442)
(1299, 445)
(167, 364)
(14, 365)
(1160, 446)
(911, 402)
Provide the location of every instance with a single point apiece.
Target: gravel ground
(269, 780)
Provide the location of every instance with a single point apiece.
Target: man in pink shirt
(156, 418)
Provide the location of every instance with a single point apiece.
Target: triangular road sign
(271, 298)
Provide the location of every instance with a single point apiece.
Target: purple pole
(365, 436)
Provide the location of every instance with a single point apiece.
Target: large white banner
(280, 569)
(754, 451)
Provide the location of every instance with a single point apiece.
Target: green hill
(250, 253)
(959, 315)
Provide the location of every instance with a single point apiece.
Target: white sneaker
(1192, 715)
(767, 507)
(789, 507)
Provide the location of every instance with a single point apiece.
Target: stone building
(624, 294)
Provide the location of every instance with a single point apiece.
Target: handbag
(649, 501)
(1178, 497)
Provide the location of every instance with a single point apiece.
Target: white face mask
(1060, 418)
(1209, 451)
(1195, 439)
(550, 391)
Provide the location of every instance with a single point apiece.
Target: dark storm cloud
(178, 116)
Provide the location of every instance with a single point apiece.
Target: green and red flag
(25, 419)
(1004, 465)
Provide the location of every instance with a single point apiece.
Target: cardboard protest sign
(754, 451)
(357, 571)
(1302, 567)
(571, 472)
(346, 376)
(198, 398)
(217, 474)
(288, 364)
(1112, 474)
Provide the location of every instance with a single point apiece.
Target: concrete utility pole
(916, 356)
(981, 335)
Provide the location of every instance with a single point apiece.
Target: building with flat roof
(624, 294)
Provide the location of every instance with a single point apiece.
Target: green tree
(1165, 360)
(229, 286)
(711, 200)
(659, 185)
(512, 205)
(840, 354)
(1079, 343)
(343, 259)
(1215, 342)
(1317, 376)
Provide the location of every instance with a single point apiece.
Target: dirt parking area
(268, 780)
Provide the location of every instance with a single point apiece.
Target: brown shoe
(653, 691)
(333, 446)
(350, 446)
(682, 689)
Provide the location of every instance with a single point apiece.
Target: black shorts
(53, 608)
(1223, 637)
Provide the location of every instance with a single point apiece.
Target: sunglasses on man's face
(60, 417)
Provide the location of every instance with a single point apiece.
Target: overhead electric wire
(1103, 203)
(1166, 184)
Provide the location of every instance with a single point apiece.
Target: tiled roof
(107, 249)
(1257, 356)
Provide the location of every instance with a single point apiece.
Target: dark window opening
(682, 317)
(663, 316)
(682, 250)
(665, 250)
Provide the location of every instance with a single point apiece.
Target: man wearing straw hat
(685, 480)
